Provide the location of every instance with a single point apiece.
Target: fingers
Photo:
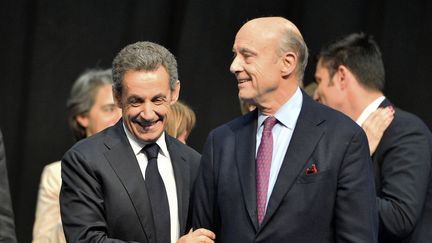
(198, 236)
(376, 124)
(205, 232)
(380, 119)
(384, 118)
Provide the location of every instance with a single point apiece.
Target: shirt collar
(138, 145)
(369, 109)
(288, 113)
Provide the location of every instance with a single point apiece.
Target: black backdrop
(45, 44)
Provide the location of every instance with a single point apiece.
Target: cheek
(162, 110)
(332, 98)
(258, 70)
(324, 95)
(101, 120)
(320, 92)
(109, 119)
(130, 111)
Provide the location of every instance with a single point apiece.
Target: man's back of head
(360, 54)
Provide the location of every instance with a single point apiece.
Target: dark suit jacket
(337, 204)
(103, 196)
(7, 226)
(403, 180)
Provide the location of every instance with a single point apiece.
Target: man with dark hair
(132, 181)
(7, 225)
(292, 170)
(350, 78)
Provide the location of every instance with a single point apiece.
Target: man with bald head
(292, 170)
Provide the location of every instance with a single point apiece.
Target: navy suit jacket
(104, 197)
(403, 180)
(336, 204)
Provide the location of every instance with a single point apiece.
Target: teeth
(243, 80)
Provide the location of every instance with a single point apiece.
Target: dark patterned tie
(157, 194)
(263, 164)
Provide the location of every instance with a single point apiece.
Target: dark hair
(145, 56)
(82, 97)
(360, 54)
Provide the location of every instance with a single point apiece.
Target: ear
(175, 93)
(343, 74)
(289, 63)
(82, 120)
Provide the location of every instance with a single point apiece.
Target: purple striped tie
(263, 164)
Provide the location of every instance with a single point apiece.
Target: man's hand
(375, 125)
(200, 235)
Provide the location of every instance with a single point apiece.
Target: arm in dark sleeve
(203, 197)
(405, 167)
(356, 218)
(7, 226)
(82, 202)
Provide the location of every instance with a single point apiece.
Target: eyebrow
(160, 95)
(244, 50)
(132, 97)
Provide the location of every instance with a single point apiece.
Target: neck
(360, 100)
(271, 104)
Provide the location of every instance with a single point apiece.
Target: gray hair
(82, 97)
(292, 41)
(143, 56)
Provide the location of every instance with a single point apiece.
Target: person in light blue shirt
(292, 170)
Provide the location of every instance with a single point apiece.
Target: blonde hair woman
(181, 120)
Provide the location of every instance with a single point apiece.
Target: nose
(236, 66)
(147, 112)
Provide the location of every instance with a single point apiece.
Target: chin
(246, 99)
(149, 138)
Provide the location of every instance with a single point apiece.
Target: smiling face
(256, 65)
(145, 102)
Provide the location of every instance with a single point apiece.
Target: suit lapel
(377, 162)
(306, 135)
(124, 163)
(182, 179)
(245, 158)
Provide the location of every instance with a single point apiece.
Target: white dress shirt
(167, 173)
(373, 106)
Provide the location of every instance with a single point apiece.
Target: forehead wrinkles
(255, 41)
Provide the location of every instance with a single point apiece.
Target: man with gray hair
(292, 170)
(132, 182)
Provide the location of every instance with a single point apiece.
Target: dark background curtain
(46, 44)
